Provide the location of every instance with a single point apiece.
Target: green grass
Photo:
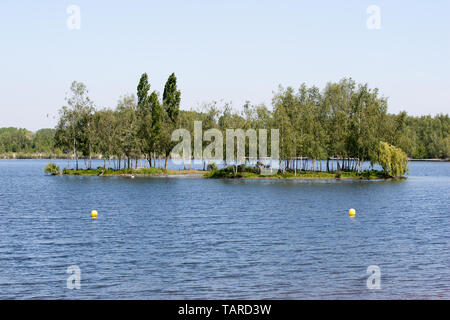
(229, 173)
(112, 172)
(52, 169)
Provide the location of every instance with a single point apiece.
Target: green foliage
(74, 129)
(171, 98)
(15, 140)
(212, 166)
(230, 173)
(421, 137)
(128, 127)
(144, 112)
(343, 121)
(111, 172)
(156, 124)
(52, 168)
(244, 168)
(393, 160)
(43, 140)
(142, 92)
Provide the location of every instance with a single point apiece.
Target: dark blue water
(167, 238)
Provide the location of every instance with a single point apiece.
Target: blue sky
(220, 50)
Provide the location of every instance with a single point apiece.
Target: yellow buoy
(94, 214)
(352, 212)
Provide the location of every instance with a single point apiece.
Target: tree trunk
(75, 153)
(295, 167)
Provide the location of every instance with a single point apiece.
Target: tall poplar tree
(170, 114)
(156, 124)
(144, 116)
(172, 98)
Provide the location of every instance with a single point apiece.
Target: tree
(71, 128)
(52, 169)
(156, 124)
(106, 128)
(172, 98)
(128, 139)
(365, 117)
(171, 108)
(393, 160)
(144, 109)
(286, 116)
(15, 140)
(142, 92)
(43, 140)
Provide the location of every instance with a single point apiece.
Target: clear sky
(220, 50)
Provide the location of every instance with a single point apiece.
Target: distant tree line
(345, 121)
(14, 140)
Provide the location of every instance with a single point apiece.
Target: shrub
(338, 174)
(212, 166)
(393, 160)
(242, 168)
(52, 169)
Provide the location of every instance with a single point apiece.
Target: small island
(231, 172)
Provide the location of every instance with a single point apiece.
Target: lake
(191, 238)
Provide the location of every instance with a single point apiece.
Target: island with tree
(324, 133)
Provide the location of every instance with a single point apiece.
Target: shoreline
(162, 173)
(429, 160)
(202, 176)
(130, 173)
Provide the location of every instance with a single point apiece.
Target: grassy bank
(141, 172)
(112, 172)
(253, 174)
(231, 172)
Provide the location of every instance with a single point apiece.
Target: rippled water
(167, 238)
